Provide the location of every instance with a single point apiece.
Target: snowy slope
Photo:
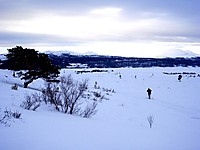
(120, 123)
(58, 53)
(178, 53)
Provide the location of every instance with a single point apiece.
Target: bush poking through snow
(98, 96)
(31, 102)
(8, 114)
(89, 111)
(66, 96)
(16, 114)
(150, 120)
(14, 87)
(52, 95)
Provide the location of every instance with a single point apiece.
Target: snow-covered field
(120, 123)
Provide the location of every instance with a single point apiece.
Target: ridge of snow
(178, 53)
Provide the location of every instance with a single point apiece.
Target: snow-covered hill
(168, 53)
(120, 123)
(58, 53)
(178, 53)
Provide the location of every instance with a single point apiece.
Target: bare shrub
(52, 95)
(66, 96)
(8, 114)
(14, 87)
(109, 90)
(69, 97)
(5, 117)
(98, 96)
(89, 111)
(16, 114)
(31, 102)
(150, 120)
(72, 91)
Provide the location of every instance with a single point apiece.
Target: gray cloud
(183, 8)
(7, 38)
(178, 20)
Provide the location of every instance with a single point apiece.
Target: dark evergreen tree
(34, 65)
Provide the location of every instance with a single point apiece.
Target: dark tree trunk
(26, 83)
(72, 108)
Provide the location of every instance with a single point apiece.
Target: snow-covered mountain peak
(58, 53)
(178, 53)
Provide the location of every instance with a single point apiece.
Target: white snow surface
(2, 57)
(120, 123)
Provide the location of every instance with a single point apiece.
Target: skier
(179, 78)
(149, 92)
(95, 84)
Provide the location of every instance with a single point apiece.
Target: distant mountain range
(66, 60)
(68, 52)
(178, 53)
(173, 53)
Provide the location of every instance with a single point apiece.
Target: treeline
(98, 61)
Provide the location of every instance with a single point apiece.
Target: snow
(178, 53)
(120, 123)
(2, 57)
(59, 53)
(173, 53)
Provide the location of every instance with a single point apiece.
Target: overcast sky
(145, 28)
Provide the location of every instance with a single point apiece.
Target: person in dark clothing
(149, 92)
(179, 78)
